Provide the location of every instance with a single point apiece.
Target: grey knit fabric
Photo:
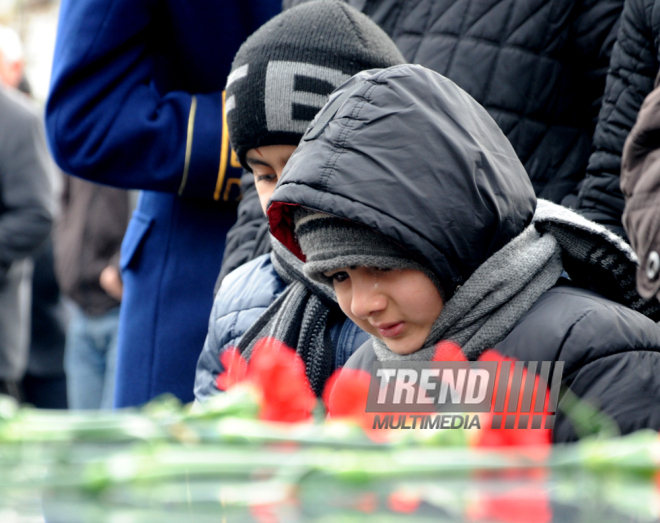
(300, 315)
(299, 318)
(283, 74)
(486, 308)
(331, 243)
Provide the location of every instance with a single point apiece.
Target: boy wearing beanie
(280, 78)
(426, 228)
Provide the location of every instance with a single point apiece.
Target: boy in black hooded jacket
(281, 76)
(407, 199)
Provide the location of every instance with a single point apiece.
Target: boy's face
(399, 306)
(267, 164)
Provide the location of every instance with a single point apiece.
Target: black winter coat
(610, 356)
(630, 79)
(412, 156)
(537, 66)
(88, 238)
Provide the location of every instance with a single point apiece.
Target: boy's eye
(338, 277)
(268, 178)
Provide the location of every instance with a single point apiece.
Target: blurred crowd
(61, 286)
(109, 299)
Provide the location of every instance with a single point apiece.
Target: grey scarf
(299, 317)
(487, 306)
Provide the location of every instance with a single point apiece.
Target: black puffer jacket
(633, 69)
(448, 187)
(537, 66)
(610, 355)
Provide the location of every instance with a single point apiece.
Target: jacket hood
(408, 153)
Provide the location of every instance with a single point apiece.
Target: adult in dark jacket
(136, 102)
(281, 76)
(640, 183)
(418, 177)
(633, 68)
(537, 66)
(26, 205)
(44, 382)
(88, 238)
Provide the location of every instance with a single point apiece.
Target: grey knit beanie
(330, 243)
(283, 74)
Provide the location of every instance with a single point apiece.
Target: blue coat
(244, 295)
(136, 102)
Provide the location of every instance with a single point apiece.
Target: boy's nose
(366, 298)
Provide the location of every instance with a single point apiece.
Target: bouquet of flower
(268, 450)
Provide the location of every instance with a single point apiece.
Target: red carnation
(448, 351)
(345, 396)
(280, 374)
(346, 393)
(503, 437)
(235, 369)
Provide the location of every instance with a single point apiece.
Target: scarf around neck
(484, 310)
(299, 317)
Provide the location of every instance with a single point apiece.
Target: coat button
(652, 265)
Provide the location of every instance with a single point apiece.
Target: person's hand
(111, 283)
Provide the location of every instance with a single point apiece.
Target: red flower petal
(264, 513)
(345, 396)
(346, 393)
(448, 351)
(279, 373)
(403, 502)
(540, 439)
(235, 369)
(367, 503)
(526, 504)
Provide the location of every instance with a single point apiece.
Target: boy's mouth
(390, 330)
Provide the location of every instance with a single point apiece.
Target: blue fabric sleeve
(244, 295)
(136, 92)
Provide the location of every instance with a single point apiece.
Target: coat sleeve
(640, 184)
(221, 336)
(630, 78)
(25, 167)
(116, 115)
(625, 387)
(243, 296)
(595, 29)
(611, 358)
